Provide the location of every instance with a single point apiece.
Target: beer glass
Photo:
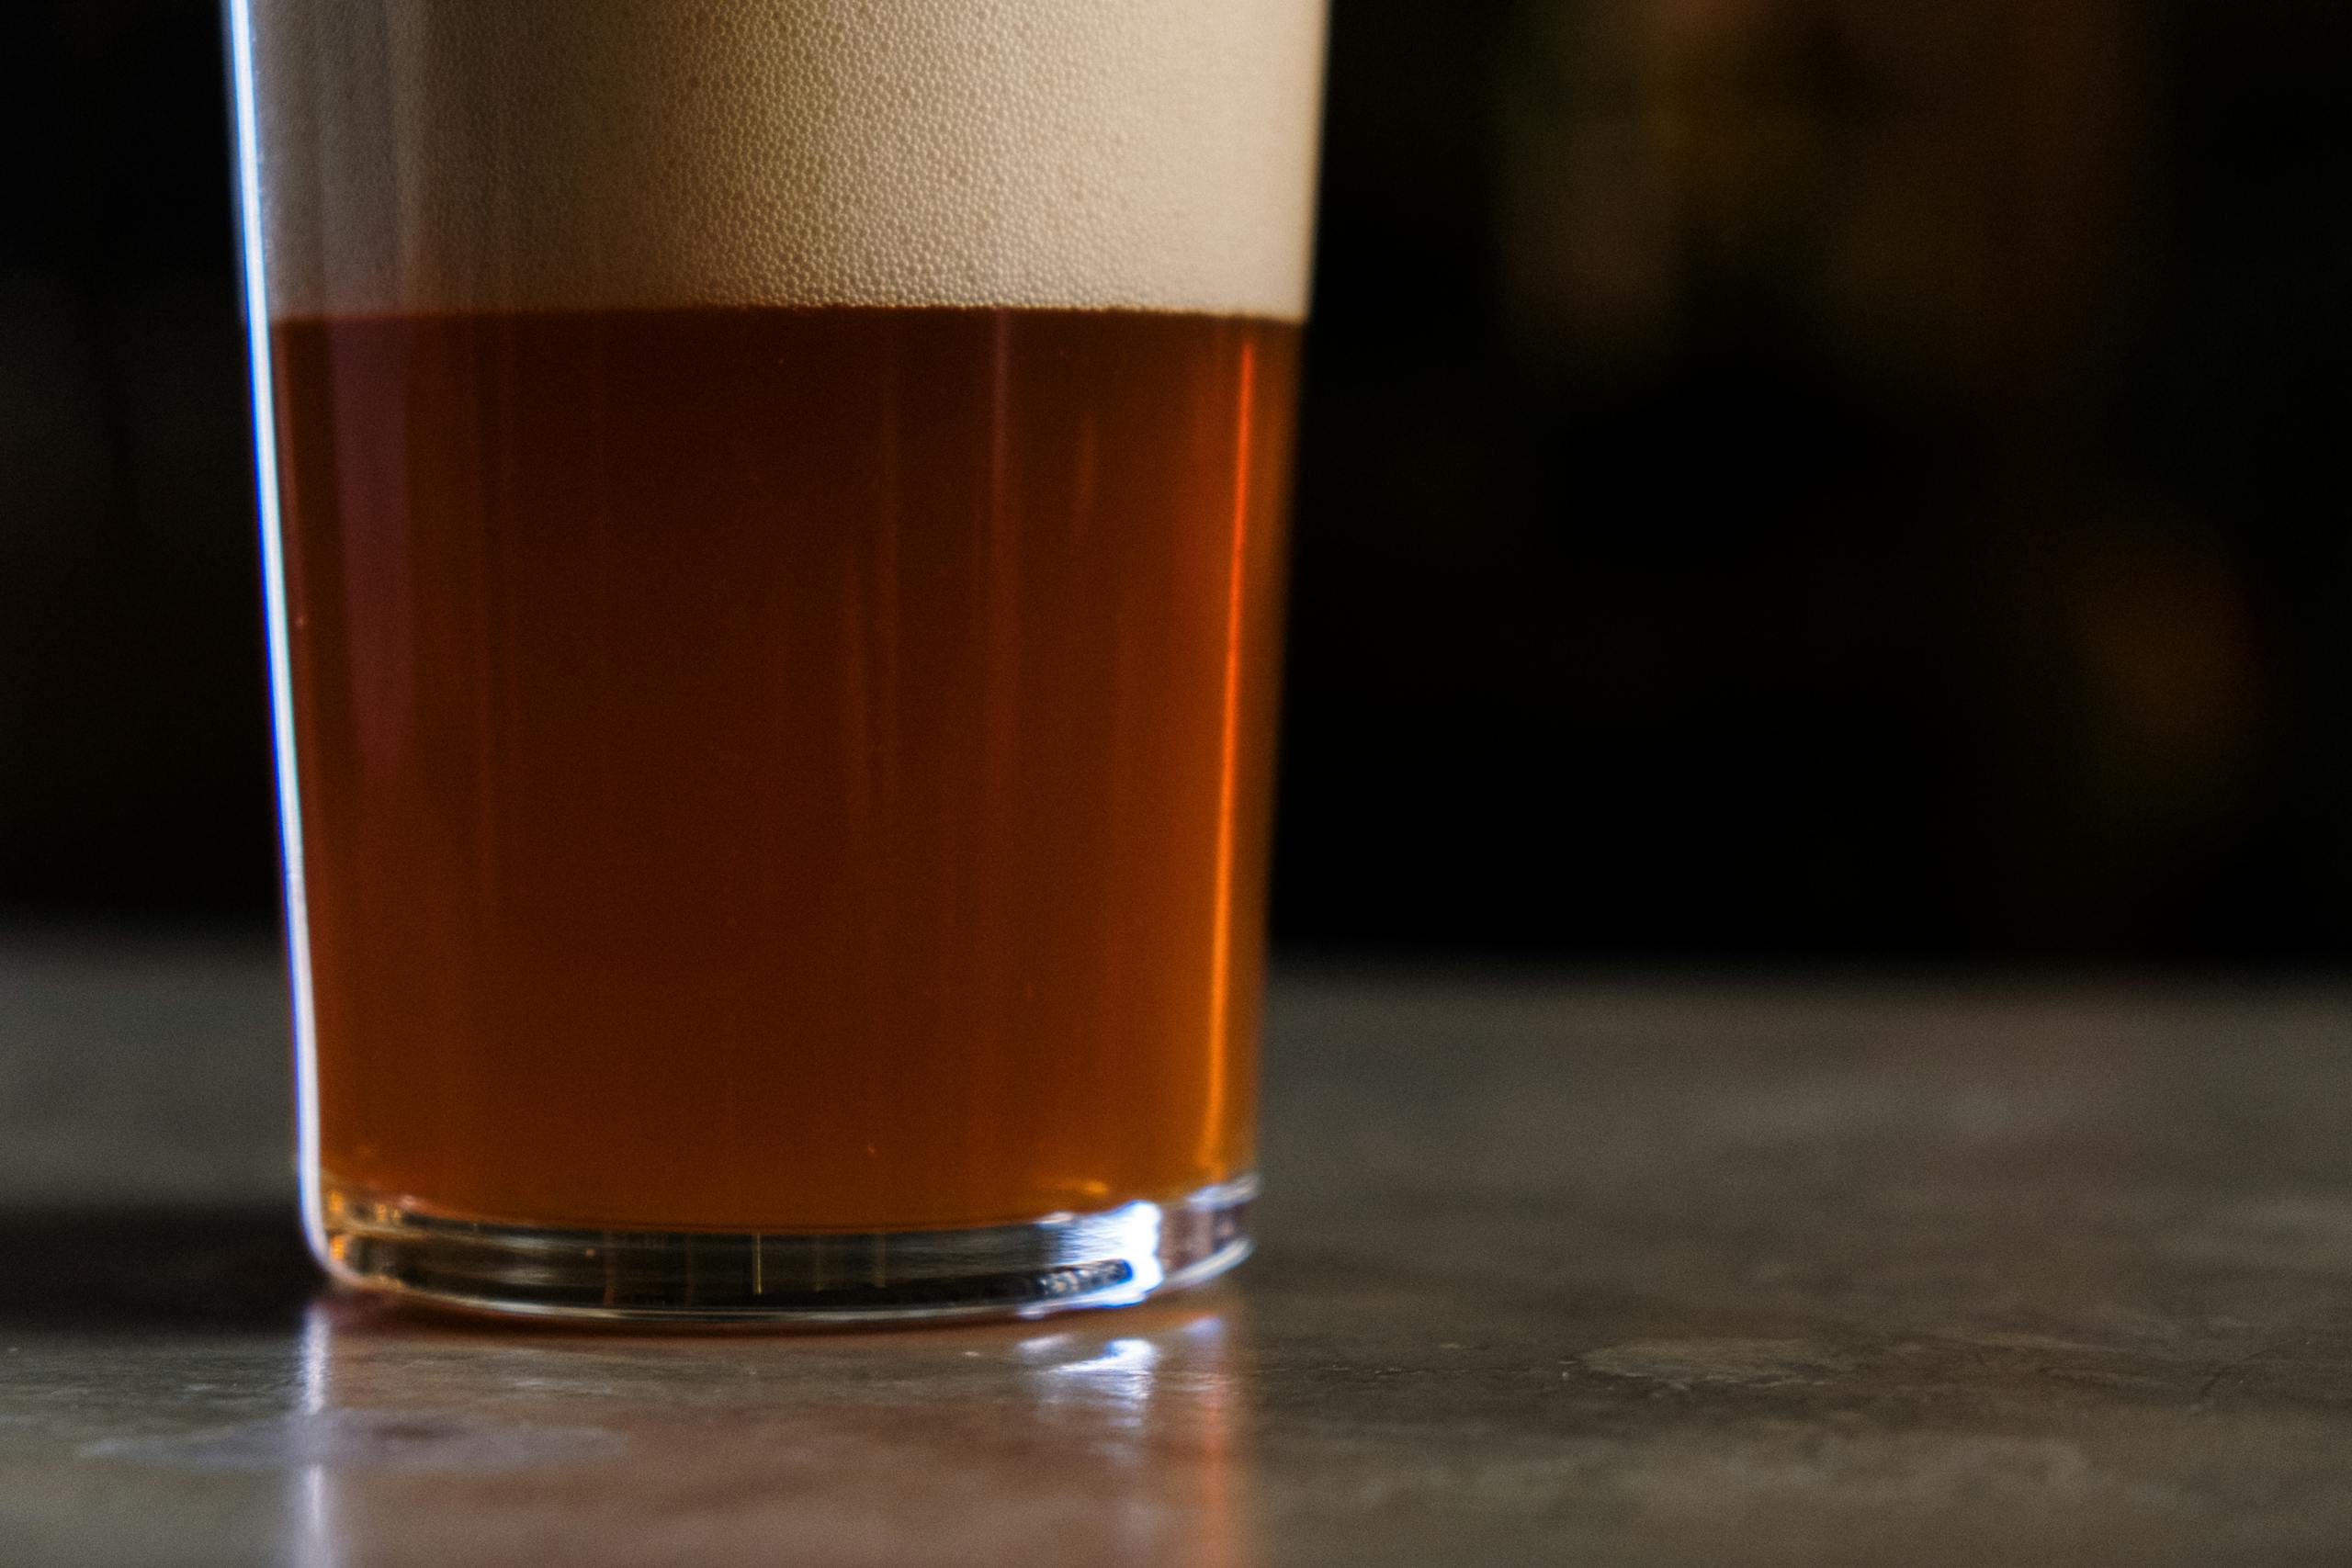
(774, 516)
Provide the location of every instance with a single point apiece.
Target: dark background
(1840, 480)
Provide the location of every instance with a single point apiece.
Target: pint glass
(773, 513)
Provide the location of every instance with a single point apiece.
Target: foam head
(457, 154)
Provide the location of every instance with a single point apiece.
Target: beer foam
(455, 155)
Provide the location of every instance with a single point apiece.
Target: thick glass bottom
(1056, 1263)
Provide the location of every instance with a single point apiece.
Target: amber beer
(773, 769)
(780, 529)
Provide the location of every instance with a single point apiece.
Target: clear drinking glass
(773, 514)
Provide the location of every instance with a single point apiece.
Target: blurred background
(1832, 480)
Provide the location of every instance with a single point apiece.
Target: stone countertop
(1550, 1271)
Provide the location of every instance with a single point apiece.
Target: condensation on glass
(774, 524)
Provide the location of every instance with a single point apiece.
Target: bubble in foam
(445, 155)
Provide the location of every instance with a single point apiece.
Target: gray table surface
(1664, 1272)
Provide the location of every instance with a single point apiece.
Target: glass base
(1060, 1262)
